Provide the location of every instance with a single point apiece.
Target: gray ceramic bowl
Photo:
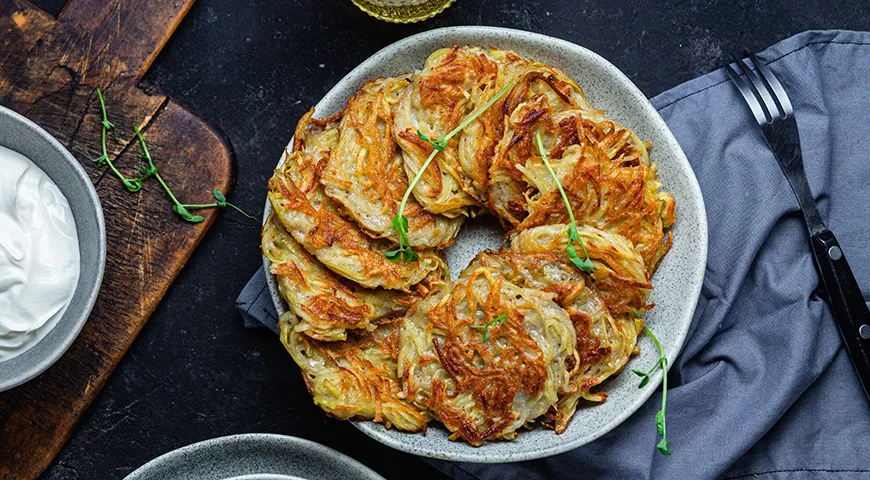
(677, 281)
(25, 137)
(254, 456)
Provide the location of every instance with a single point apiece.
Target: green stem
(153, 168)
(499, 319)
(556, 179)
(437, 145)
(415, 180)
(200, 205)
(109, 160)
(166, 187)
(144, 148)
(582, 245)
(241, 211)
(573, 226)
(446, 138)
(664, 398)
(655, 340)
(105, 121)
(218, 205)
(664, 365)
(655, 366)
(132, 185)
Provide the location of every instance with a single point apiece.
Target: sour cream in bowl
(39, 254)
(52, 249)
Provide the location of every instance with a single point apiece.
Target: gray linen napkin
(763, 386)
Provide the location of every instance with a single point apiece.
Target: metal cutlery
(772, 109)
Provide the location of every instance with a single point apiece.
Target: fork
(772, 109)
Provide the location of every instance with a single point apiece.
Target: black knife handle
(847, 302)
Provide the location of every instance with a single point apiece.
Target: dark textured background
(253, 67)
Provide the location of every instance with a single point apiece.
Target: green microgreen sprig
(182, 208)
(584, 264)
(132, 184)
(497, 320)
(151, 170)
(400, 223)
(661, 425)
(440, 143)
(220, 203)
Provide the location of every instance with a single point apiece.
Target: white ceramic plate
(254, 456)
(677, 281)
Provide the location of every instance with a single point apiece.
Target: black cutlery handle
(847, 302)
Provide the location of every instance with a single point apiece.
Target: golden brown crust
(622, 198)
(313, 220)
(485, 389)
(511, 189)
(604, 343)
(326, 304)
(364, 173)
(356, 378)
(435, 104)
(620, 274)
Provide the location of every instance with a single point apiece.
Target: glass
(402, 11)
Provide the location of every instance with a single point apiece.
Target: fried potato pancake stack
(485, 389)
(522, 336)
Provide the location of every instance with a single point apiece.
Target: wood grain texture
(49, 71)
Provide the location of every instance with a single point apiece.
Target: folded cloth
(763, 387)
(255, 303)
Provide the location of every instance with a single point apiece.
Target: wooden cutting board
(49, 70)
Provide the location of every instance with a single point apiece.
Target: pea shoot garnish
(221, 202)
(660, 415)
(497, 320)
(440, 143)
(150, 170)
(400, 223)
(132, 184)
(584, 264)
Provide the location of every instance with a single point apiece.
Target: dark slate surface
(252, 67)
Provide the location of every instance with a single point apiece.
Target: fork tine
(779, 96)
(765, 96)
(748, 95)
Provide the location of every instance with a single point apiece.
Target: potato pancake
(622, 198)
(620, 274)
(485, 356)
(365, 173)
(440, 97)
(511, 188)
(326, 304)
(354, 379)
(314, 221)
(604, 345)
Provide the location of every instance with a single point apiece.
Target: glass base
(412, 12)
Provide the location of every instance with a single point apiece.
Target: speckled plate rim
(665, 149)
(47, 351)
(264, 455)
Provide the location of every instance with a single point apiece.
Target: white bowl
(677, 281)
